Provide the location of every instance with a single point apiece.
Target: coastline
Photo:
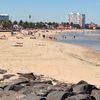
(65, 62)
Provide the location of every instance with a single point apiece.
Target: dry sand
(64, 62)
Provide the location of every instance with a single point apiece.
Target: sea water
(89, 39)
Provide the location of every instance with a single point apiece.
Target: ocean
(87, 39)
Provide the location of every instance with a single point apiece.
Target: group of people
(64, 36)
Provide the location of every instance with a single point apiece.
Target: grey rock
(41, 86)
(83, 88)
(36, 82)
(27, 75)
(3, 85)
(16, 87)
(2, 71)
(20, 81)
(8, 76)
(42, 92)
(82, 82)
(57, 95)
(96, 94)
(33, 97)
(10, 95)
(79, 97)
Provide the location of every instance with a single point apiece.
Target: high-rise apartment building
(77, 18)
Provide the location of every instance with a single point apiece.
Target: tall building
(77, 18)
(4, 17)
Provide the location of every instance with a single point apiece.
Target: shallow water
(87, 39)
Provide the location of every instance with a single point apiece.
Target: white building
(77, 18)
(4, 17)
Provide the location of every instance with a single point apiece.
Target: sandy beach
(64, 62)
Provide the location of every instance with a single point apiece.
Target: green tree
(21, 23)
(26, 24)
(6, 24)
(15, 23)
(76, 26)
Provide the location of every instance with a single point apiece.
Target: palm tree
(21, 23)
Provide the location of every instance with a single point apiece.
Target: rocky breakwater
(33, 87)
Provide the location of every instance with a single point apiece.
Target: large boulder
(16, 87)
(79, 97)
(83, 88)
(33, 97)
(57, 95)
(16, 84)
(96, 94)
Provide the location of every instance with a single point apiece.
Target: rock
(96, 94)
(10, 95)
(33, 97)
(26, 91)
(41, 86)
(3, 85)
(83, 88)
(31, 87)
(41, 89)
(17, 83)
(67, 87)
(20, 81)
(36, 82)
(79, 97)
(1, 79)
(1, 93)
(27, 75)
(57, 95)
(47, 82)
(82, 82)
(16, 87)
(59, 88)
(42, 92)
(8, 76)
(2, 71)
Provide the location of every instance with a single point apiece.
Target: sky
(50, 10)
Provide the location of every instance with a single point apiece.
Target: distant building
(4, 17)
(77, 18)
(60, 26)
(92, 26)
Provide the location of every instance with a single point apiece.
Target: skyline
(50, 10)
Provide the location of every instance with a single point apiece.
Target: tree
(64, 24)
(15, 23)
(31, 25)
(26, 24)
(6, 24)
(76, 26)
(71, 24)
(21, 23)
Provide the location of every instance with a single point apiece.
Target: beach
(64, 62)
